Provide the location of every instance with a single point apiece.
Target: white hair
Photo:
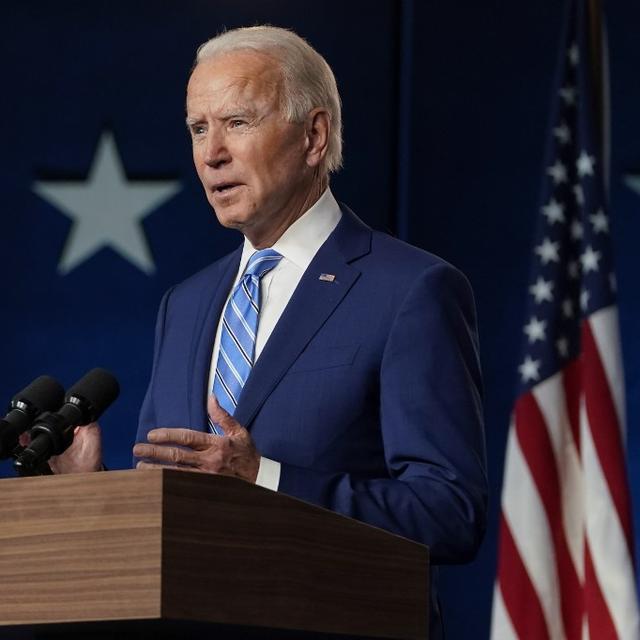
(308, 81)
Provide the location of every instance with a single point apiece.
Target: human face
(250, 160)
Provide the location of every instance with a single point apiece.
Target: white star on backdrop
(542, 290)
(579, 194)
(107, 210)
(574, 54)
(633, 182)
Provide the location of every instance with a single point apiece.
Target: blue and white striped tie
(238, 335)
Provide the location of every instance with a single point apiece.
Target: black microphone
(43, 394)
(52, 433)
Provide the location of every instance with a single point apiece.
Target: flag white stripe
(604, 326)
(501, 626)
(607, 542)
(525, 515)
(552, 402)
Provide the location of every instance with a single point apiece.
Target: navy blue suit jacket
(368, 391)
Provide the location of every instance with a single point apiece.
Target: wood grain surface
(126, 545)
(80, 547)
(263, 558)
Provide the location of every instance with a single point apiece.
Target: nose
(216, 151)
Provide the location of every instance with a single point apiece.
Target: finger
(219, 416)
(89, 425)
(171, 455)
(84, 433)
(24, 440)
(184, 437)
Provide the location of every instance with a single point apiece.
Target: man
(320, 359)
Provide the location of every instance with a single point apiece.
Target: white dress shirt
(297, 245)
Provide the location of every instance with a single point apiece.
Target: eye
(197, 129)
(236, 122)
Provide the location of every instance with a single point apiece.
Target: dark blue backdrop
(446, 107)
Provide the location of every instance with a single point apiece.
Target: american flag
(566, 559)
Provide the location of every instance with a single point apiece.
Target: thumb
(220, 417)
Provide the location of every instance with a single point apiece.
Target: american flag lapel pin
(327, 277)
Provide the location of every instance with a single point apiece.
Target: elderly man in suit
(321, 358)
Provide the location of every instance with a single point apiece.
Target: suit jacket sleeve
(148, 419)
(435, 489)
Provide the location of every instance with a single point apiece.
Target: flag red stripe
(518, 593)
(599, 619)
(605, 430)
(537, 449)
(571, 382)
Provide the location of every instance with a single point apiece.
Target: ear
(318, 127)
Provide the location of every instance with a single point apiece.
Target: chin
(231, 217)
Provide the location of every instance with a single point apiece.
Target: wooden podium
(164, 553)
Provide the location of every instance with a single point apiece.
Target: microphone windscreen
(43, 394)
(98, 387)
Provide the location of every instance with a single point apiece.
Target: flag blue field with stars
(573, 270)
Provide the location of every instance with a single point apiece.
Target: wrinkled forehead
(237, 79)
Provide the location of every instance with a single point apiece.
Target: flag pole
(599, 73)
(595, 49)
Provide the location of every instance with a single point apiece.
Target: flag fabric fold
(566, 557)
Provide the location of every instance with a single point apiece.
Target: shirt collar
(301, 241)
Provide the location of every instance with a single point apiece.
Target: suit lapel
(312, 303)
(209, 312)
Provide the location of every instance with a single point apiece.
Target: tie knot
(261, 262)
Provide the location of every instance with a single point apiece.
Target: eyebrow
(230, 115)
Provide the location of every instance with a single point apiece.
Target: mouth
(224, 188)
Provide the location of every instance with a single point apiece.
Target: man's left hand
(233, 454)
